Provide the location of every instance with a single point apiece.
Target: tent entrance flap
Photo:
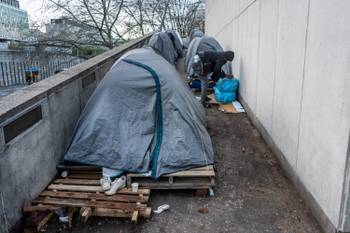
(159, 115)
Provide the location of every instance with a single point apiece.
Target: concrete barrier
(36, 124)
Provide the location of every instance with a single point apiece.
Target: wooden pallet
(198, 178)
(81, 192)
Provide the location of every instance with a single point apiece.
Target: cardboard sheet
(227, 108)
(234, 107)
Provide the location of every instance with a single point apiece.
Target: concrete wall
(293, 61)
(28, 162)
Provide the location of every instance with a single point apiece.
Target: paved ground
(252, 193)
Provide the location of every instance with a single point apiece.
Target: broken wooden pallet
(201, 178)
(81, 192)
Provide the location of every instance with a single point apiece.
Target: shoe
(117, 184)
(105, 183)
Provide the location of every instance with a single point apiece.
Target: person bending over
(208, 65)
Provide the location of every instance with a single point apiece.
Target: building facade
(292, 59)
(13, 3)
(58, 26)
(68, 31)
(13, 21)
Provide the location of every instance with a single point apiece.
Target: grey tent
(200, 44)
(195, 33)
(163, 45)
(140, 119)
(177, 42)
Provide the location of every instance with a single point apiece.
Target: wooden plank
(105, 212)
(145, 192)
(38, 221)
(86, 172)
(99, 197)
(135, 216)
(39, 208)
(212, 181)
(178, 183)
(80, 188)
(78, 168)
(201, 192)
(76, 181)
(85, 213)
(44, 221)
(114, 213)
(87, 203)
(70, 217)
(128, 181)
(176, 186)
(191, 174)
(205, 168)
(85, 176)
(196, 172)
(146, 213)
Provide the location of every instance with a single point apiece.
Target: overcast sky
(37, 10)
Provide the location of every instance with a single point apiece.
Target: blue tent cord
(159, 115)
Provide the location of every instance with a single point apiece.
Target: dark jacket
(213, 62)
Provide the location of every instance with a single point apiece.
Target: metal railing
(14, 73)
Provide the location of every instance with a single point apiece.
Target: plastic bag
(227, 85)
(226, 90)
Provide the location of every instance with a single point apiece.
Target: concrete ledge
(318, 213)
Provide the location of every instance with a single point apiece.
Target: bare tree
(185, 15)
(157, 15)
(111, 22)
(144, 16)
(98, 19)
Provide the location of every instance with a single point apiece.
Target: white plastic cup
(135, 187)
(64, 174)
